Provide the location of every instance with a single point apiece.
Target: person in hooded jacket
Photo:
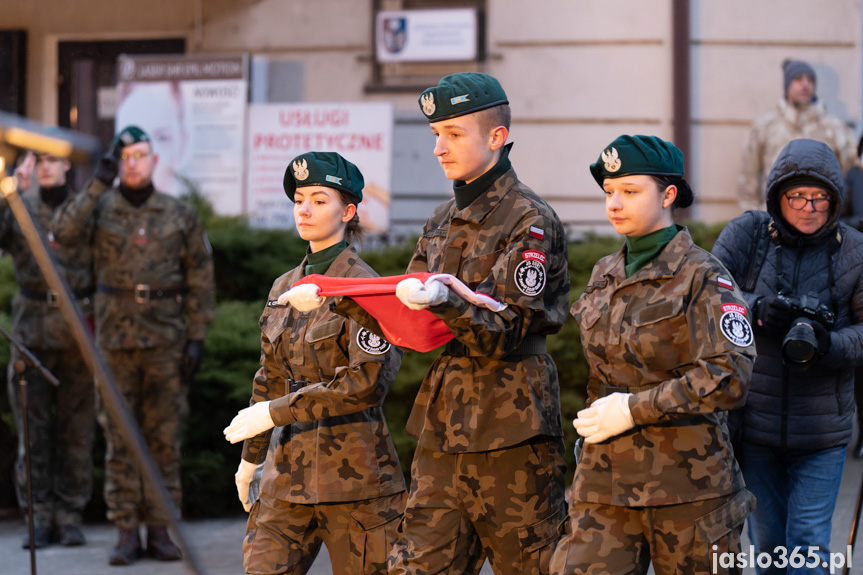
(801, 274)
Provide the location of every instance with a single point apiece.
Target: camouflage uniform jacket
(38, 324)
(327, 378)
(676, 336)
(773, 130)
(159, 244)
(494, 385)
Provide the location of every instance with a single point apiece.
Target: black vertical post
(681, 91)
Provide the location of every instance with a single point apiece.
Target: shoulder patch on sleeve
(724, 282)
(536, 232)
(530, 275)
(735, 328)
(371, 343)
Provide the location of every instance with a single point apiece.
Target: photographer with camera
(802, 275)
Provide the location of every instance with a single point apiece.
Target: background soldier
(61, 419)
(798, 114)
(154, 270)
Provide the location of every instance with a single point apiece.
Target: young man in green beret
(488, 473)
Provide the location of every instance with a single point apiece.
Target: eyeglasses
(138, 155)
(798, 202)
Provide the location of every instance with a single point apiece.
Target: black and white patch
(735, 327)
(371, 343)
(530, 277)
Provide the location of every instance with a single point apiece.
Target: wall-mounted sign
(426, 35)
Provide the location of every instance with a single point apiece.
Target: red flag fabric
(419, 330)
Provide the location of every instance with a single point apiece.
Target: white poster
(361, 132)
(194, 110)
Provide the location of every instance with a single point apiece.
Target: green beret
(646, 155)
(130, 135)
(460, 94)
(327, 169)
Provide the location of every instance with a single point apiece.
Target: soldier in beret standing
(331, 474)
(669, 343)
(62, 419)
(488, 473)
(154, 271)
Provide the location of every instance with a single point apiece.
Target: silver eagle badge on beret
(612, 162)
(428, 103)
(301, 170)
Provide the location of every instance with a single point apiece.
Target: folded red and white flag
(414, 329)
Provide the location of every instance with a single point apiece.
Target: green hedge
(247, 261)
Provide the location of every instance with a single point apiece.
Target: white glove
(243, 478)
(249, 422)
(606, 417)
(303, 297)
(417, 295)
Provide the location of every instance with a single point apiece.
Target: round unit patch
(530, 277)
(735, 327)
(371, 343)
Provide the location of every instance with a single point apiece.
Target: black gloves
(774, 315)
(191, 359)
(107, 168)
(823, 337)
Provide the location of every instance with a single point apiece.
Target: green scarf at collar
(465, 194)
(319, 262)
(642, 250)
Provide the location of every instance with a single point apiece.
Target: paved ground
(218, 543)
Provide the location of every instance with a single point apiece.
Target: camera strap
(764, 232)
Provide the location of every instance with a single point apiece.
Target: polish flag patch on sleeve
(724, 282)
(536, 232)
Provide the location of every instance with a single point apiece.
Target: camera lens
(800, 344)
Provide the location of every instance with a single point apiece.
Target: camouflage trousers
(506, 505)
(61, 426)
(285, 537)
(612, 540)
(149, 380)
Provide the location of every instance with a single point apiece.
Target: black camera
(800, 344)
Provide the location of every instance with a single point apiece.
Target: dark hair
(684, 192)
(491, 118)
(354, 231)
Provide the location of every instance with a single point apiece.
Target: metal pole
(852, 537)
(20, 368)
(107, 387)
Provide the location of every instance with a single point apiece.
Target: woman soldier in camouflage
(332, 474)
(670, 349)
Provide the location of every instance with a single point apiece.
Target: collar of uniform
(319, 262)
(484, 205)
(137, 197)
(53, 197)
(665, 265)
(640, 251)
(466, 194)
(157, 202)
(343, 262)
